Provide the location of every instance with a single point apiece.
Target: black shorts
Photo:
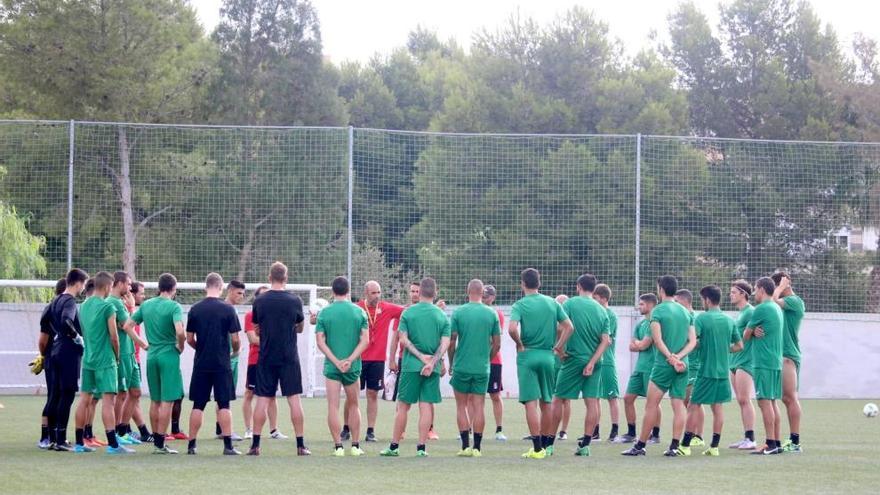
(65, 372)
(203, 382)
(373, 375)
(251, 380)
(495, 385)
(397, 382)
(270, 376)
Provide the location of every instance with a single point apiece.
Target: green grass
(841, 455)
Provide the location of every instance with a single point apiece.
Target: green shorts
(768, 384)
(470, 383)
(234, 364)
(345, 379)
(610, 387)
(711, 391)
(536, 372)
(163, 376)
(667, 379)
(745, 367)
(572, 384)
(693, 373)
(129, 373)
(412, 387)
(638, 384)
(100, 382)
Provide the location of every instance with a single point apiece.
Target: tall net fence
(394, 206)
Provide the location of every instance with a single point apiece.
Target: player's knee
(200, 405)
(221, 405)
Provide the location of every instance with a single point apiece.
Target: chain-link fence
(396, 205)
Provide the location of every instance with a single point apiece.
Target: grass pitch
(841, 455)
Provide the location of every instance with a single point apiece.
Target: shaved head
(475, 287)
(372, 292)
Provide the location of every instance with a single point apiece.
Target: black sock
(217, 429)
(300, 443)
(355, 445)
(584, 441)
(120, 429)
(44, 433)
(596, 431)
(795, 438)
(673, 444)
(227, 442)
(60, 435)
(716, 439)
(128, 429)
(750, 434)
(640, 444)
(698, 436)
(778, 444)
(537, 442)
(53, 434)
(370, 431)
(192, 443)
(272, 431)
(498, 429)
(465, 439)
(144, 431)
(87, 432)
(420, 447)
(562, 432)
(158, 440)
(255, 442)
(478, 440)
(631, 429)
(345, 428)
(80, 433)
(688, 436)
(655, 432)
(111, 439)
(175, 427)
(770, 443)
(337, 446)
(614, 430)
(394, 446)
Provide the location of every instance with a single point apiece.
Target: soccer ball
(871, 410)
(318, 305)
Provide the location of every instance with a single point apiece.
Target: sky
(355, 30)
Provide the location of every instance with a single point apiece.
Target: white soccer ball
(871, 410)
(318, 304)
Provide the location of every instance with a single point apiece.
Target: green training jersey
(126, 346)
(608, 358)
(475, 324)
(792, 315)
(537, 315)
(159, 315)
(717, 333)
(424, 325)
(743, 359)
(93, 316)
(675, 322)
(767, 350)
(342, 324)
(590, 321)
(695, 360)
(645, 362)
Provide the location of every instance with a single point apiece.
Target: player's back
(538, 315)
(590, 321)
(159, 315)
(767, 350)
(98, 349)
(717, 332)
(674, 322)
(277, 313)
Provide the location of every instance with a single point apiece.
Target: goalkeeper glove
(37, 365)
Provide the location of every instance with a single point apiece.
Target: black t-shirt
(277, 313)
(46, 328)
(212, 320)
(62, 309)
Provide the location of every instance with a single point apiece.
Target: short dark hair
(136, 287)
(89, 287)
(103, 280)
(650, 297)
(712, 293)
(778, 276)
(60, 286)
(587, 282)
(278, 272)
(340, 286)
(235, 284)
(668, 285)
(167, 282)
(75, 276)
(120, 277)
(603, 291)
(743, 286)
(260, 290)
(767, 284)
(685, 294)
(531, 278)
(428, 287)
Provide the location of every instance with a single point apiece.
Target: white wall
(841, 354)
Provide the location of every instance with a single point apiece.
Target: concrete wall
(841, 354)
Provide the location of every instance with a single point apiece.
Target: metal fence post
(70, 152)
(638, 213)
(350, 194)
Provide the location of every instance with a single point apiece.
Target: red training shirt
(379, 319)
(254, 349)
(497, 358)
